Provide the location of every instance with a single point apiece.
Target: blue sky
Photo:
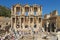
(47, 5)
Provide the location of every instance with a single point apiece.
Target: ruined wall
(58, 22)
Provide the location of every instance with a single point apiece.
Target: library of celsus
(26, 18)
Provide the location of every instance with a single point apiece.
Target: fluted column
(29, 11)
(41, 22)
(11, 17)
(29, 21)
(39, 11)
(15, 11)
(15, 18)
(20, 11)
(33, 21)
(37, 21)
(24, 22)
(23, 11)
(11, 11)
(20, 22)
(32, 13)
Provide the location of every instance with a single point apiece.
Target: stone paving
(30, 37)
(40, 36)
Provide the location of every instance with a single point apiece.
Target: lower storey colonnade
(27, 23)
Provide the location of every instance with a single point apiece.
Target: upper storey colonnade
(26, 10)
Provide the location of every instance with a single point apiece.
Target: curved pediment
(17, 5)
(26, 5)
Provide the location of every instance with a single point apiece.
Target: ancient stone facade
(26, 18)
(50, 21)
(58, 23)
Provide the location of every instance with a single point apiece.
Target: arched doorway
(26, 26)
(35, 25)
(45, 27)
(49, 27)
(53, 27)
